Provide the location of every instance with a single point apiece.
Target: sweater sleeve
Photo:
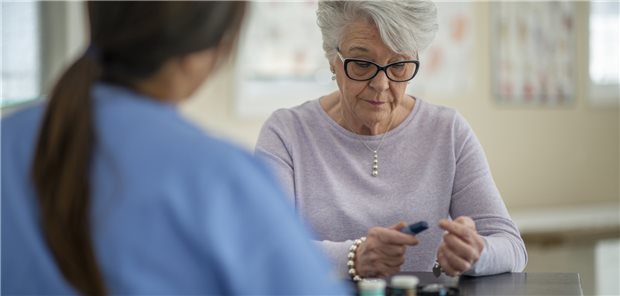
(475, 194)
(271, 148)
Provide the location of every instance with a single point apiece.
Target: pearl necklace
(375, 152)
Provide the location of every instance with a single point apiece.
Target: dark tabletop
(526, 284)
(566, 284)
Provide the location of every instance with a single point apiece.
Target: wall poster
(533, 53)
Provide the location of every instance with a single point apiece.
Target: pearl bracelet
(351, 259)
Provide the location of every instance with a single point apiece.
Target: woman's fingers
(464, 231)
(394, 261)
(383, 252)
(391, 236)
(398, 225)
(460, 247)
(451, 263)
(392, 250)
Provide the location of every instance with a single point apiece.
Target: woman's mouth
(376, 103)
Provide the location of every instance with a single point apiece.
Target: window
(20, 53)
(604, 60)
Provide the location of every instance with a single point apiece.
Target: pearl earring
(334, 77)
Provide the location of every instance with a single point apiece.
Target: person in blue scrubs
(107, 189)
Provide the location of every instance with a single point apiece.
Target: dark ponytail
(61, 174)
(133, 39)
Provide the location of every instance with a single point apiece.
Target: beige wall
(540, 156)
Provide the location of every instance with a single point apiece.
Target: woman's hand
(460, 247)
(383, 252)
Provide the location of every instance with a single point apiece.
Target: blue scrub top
(174, 211)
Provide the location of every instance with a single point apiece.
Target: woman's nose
(380, 82)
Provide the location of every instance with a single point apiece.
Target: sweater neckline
(349, 134)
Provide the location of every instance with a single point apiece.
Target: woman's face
(371, 102)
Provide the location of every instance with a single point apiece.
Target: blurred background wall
(557, 165)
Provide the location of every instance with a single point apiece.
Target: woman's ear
(198, 64)
(195, 67)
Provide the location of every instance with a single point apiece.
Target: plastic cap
(372, 284)
(404, 281)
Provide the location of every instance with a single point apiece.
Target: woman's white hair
(405, 26)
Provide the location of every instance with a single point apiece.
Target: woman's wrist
(351, 258)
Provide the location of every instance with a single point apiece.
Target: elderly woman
(359, 161)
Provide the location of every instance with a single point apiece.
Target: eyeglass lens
(363, 70)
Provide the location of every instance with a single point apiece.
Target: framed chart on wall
(281, 62)
(533, 50)
(447, 69)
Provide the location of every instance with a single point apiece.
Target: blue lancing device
(415, 228)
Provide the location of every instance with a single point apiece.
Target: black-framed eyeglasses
(363, 70)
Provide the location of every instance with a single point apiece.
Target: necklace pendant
(375, 161)
(375, 164)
